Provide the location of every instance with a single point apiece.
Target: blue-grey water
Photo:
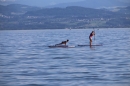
(25, 59)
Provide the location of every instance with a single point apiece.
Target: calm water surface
(25, 59)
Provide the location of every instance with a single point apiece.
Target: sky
(43, 3)
(34, 2)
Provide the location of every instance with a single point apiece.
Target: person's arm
(94, 33)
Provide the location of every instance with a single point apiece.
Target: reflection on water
(25, 59)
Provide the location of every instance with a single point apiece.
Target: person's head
(67, 40)
(92, 31)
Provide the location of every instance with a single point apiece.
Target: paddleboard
(61, 46)
(91, 45)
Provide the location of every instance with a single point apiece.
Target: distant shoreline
(65, 29)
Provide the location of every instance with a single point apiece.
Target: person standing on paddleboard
(90, 37)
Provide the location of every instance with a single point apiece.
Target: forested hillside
(17, 16)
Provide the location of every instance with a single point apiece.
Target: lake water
(25, 59)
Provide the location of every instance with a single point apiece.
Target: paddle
(94, 33)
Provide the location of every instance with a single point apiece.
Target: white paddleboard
(91, 45)
(61, 46)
